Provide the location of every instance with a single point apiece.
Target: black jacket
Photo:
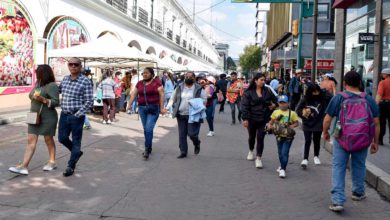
(255, 108)
(315, 121)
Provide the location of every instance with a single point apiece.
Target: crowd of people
(262, 105)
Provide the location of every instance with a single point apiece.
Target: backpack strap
(289, 115)
(363, 95)
(344, 95)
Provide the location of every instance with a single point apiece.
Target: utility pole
(314, 43)
(300, 28)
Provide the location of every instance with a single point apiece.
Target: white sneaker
(317, 161)
(109, 122)
(278, 170)
(304, 164)
(50, 166)
(282, 174)
(250, 156)
(259, 164)
(210, 134)
(104, 122)
(19, 170)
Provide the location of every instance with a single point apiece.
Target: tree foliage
(250, 60)
(231, 65)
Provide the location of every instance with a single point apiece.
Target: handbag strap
(40, 110)
(146, 100)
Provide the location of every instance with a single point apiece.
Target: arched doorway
(179, 60)
(112, 33)
(135, 44)
(63, 32)
(151, 50)
(162, 54)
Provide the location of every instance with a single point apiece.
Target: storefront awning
(343, 3)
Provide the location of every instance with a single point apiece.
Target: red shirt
(384, 89)
(151, 92)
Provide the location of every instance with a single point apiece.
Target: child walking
(283, 121)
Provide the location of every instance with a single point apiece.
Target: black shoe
(358, 196)
(149, 150)
(197, 149)
(81, 154)
(181, 156)
(145, 155)
(68, 172)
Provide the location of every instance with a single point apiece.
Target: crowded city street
(114, 182)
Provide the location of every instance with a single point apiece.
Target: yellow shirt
(284, 119)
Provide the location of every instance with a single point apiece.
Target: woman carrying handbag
(44, 98)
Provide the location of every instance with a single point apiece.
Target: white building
(33, 27)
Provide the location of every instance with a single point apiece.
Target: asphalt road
(112, 180)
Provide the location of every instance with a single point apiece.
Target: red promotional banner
(321, 64)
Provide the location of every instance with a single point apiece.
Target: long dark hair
(45, 75)
(150, 70)
(252, 85)
(311, 87)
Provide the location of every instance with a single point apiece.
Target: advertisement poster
(66, 33)
(16, 50)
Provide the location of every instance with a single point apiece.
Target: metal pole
(284, 62)
(314, 43)
(299, 58)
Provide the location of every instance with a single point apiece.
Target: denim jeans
(70, 124)
(210, 111)
(167, 97)
(149, 115)
(134, 105)
(233, 107)
(190, 129)
(339, 166)
(284, 151)
(122, 101)
(86, 122)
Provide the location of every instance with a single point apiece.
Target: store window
(323, 11)
(16, 49)
(359, 57)
(386, 44)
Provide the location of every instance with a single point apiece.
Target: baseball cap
(328, 75)
(283, 98)
(299, 71)
(386, 71)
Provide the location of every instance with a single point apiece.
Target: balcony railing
(121, 5)
(177, 39)
(184, 43)
(158, 26)
(143, 16)
(169, 34)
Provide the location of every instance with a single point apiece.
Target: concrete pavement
(113, 182)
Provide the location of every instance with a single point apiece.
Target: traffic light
(295, 28)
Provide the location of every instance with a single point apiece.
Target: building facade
(30, 28)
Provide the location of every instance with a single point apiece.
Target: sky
(238, 20)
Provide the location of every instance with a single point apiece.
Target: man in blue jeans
(341, 156)
(77, 99)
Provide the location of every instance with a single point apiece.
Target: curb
(375, 177)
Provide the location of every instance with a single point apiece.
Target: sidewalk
(113, 182)
(13, 115)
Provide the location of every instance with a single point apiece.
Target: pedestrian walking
(44, 98)
(233, 96)
(211, 103)
(126, 90)
(117, 91)
(221, 86)
(150, 95)
(283, 121)
(311, 109)
(256, 104)
(295, 89)
(357, 125)
(135, 78)
(77, 99)
(169, 88)
(328, 84)
(188, 102)
(383, 100)
(108, 87)
(274, 83)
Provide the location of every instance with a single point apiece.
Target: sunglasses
(74, 64)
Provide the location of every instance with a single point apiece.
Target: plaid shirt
(77, 95)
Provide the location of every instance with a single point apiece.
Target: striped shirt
(77, 95)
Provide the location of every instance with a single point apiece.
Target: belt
(70, 112)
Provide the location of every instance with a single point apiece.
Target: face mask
(189, 81)
(283, 108)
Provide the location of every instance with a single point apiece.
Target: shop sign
(321, 64)
(17, 61)
(67, 32)
(366, 38)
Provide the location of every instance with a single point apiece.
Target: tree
(231, 65)
(250, 60)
